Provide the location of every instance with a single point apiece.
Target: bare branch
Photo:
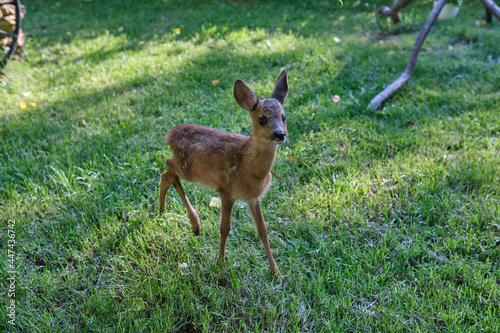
(394, 11)
(491, 8)
(405, 77)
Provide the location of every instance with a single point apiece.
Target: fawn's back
(214, 158)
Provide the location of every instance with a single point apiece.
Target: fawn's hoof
(161, 208)
(276, 273)
(279, 276)
(221, 262)
(196, 229)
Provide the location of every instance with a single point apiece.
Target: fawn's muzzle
(278, 137)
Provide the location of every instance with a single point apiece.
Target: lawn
(385, 221)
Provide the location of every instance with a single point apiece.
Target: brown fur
(236, 166)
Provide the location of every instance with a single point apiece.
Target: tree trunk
(489, 16)
(491, 8)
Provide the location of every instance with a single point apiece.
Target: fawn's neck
(260, 156)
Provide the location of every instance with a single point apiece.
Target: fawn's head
(268, 116)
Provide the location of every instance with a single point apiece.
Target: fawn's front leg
(225, 224)
(256, 212)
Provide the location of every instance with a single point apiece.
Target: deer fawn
(236, 166)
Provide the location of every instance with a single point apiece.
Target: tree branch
(394, 11)
(492, 8)
(405, 77)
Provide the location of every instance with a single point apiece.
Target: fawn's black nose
(279, 136)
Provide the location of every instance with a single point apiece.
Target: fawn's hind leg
(166, 181)
(169, 178)
(193, 216)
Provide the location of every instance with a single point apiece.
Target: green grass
(377, 227)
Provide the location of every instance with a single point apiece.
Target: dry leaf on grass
(183, 268)
(137, 304)
(215, 202)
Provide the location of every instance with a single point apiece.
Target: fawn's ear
(244, 95)
(281, 89)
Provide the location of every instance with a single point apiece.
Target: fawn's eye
(262, 121)
(283, 118)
